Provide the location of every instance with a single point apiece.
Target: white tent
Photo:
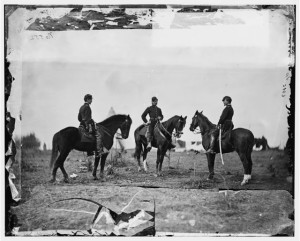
(194, 145)
(118, 143)
(180, 145)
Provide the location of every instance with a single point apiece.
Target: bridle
(176, 134)
(126, 123)
(199, 131)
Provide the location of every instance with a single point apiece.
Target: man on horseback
(225, 123)
(85, 119)
(155, 115)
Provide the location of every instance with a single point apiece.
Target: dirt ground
(182, 193)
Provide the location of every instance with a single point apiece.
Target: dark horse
(162, 138)
(69, 138)
(261, 142)
(240, 140)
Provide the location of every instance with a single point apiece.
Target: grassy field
(182, 170)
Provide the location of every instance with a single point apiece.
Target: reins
(164, 129)
(105, 129)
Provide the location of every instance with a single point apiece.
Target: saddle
(143, 131)
(225, 136)
(86, 136)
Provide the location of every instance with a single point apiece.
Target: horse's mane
(112, 119)
(140, 127)
(175, 116)
(207, 120)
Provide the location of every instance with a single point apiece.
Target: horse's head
(125, 127)
(195, 122)
(179, 126)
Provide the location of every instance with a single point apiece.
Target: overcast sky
(188, 67)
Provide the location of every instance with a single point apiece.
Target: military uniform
(225, 123)
(85, 116)
(85, 119)
(226, 118)
(155, 115)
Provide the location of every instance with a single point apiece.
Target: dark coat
(85, 114)
(154, 112)
(226, 118)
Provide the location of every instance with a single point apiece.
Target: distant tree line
(29, 141)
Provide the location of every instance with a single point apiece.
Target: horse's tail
(251, 143)
(54, 150)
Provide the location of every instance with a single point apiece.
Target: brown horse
(240, 140)
(162, 138)
(69, 138)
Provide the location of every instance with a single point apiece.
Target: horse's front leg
(102, 164)
(161, 160)
(211, 164)
(145, 163)
(96, 163)
(158, 158)
(138, 159)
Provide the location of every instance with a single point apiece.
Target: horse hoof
(246, 179)
(96, 178)
(139, 169)
(52, 181)
(66, 180)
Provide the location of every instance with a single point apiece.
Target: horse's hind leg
(59, 163)
(247, 164)
(54, 173)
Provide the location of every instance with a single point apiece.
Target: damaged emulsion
(117, 18)
(92, 20)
